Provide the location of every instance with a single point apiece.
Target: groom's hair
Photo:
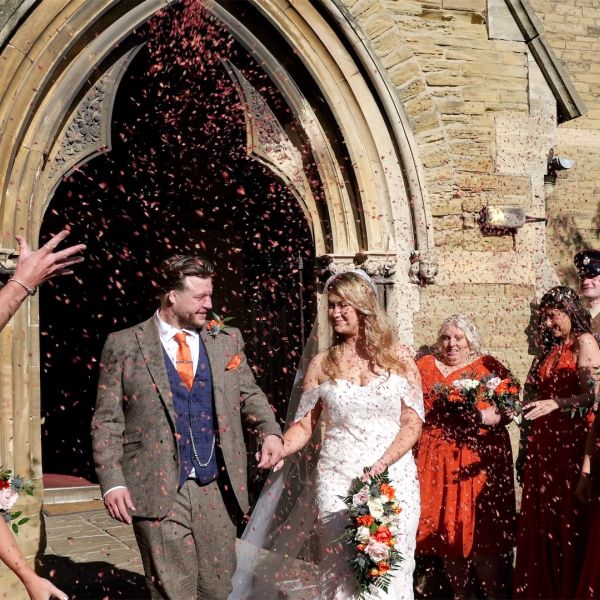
(173, 270)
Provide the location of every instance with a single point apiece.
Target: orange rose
(373, 573)
(383, 534)
(365, 521)
(388, 490)
(513, 390)
(360, 547)
(397, 509)
(383, 568)
(502, 387)
(455, 396)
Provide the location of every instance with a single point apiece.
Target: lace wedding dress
(360, 424)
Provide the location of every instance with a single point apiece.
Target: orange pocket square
(234, 363)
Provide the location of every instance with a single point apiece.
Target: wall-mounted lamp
(505, 219)
(555, 164)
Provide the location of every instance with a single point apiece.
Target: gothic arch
(58, 57)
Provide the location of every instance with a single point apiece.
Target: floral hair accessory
(217, 325)
(10, 487)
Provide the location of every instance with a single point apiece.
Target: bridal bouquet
(10, 487)
(372, 525)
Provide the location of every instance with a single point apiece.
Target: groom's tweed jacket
(133, 428)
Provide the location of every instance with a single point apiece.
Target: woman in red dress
(551, 525)
(588, 491)
(465, 470)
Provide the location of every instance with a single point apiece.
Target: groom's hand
(271, 452)
(118, 503)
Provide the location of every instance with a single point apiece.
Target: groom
(174, 397)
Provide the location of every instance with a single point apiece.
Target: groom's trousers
(190, 553)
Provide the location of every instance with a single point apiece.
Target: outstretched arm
(410, 421)
(588, 362)
(37, 587)
(33, 268)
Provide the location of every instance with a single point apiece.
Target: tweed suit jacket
(133, 428)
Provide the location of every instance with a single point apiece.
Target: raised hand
(33, 268)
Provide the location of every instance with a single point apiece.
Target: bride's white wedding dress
(361, 422)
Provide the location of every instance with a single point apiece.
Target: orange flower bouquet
(372, 525)
(503, 393)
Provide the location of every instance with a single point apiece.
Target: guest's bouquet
(466, 392)
(10, 487)
(503, 393)
(373, 513)
(462, 394)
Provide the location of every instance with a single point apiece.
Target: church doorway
(178, 179)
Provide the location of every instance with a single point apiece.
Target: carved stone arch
(51, 61)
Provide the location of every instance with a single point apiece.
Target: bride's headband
(360, 272)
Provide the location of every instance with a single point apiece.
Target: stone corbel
(8, 261)
(380, 267)
(423, 267)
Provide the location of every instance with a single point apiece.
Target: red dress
(551, 525)
(465, 472)
(589, 582)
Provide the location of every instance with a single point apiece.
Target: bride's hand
(279, 465)
(378, 468)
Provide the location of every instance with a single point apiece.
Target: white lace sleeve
(412, 396)
(308, 401)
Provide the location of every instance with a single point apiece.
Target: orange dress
(552, 521)
(465, 473)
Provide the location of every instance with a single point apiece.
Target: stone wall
(484, 119)
(572, 29)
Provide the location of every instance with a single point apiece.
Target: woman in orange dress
(465, 470)
(551, 525)
(588, 491)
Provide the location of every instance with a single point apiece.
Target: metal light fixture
(505, 218)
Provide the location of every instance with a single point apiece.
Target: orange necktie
(183, 360)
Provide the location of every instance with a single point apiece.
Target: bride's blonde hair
(380, 340)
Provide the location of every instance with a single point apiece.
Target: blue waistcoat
(194, 408)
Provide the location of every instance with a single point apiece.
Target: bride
(367, 389)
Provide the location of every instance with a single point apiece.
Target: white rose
(8, 497)
(460, 384)
(384, 499)
(375, 507)
(492, 384)
(361, 497)
(377, 551)
(362, 535)
(471, 384)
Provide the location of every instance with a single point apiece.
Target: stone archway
(64, 52)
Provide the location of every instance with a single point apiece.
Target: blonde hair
(380, 340)
(466, 325)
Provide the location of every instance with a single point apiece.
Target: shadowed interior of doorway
(177, 179)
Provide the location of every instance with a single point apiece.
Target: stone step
(62, 495)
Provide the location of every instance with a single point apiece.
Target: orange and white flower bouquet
(373, 512)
